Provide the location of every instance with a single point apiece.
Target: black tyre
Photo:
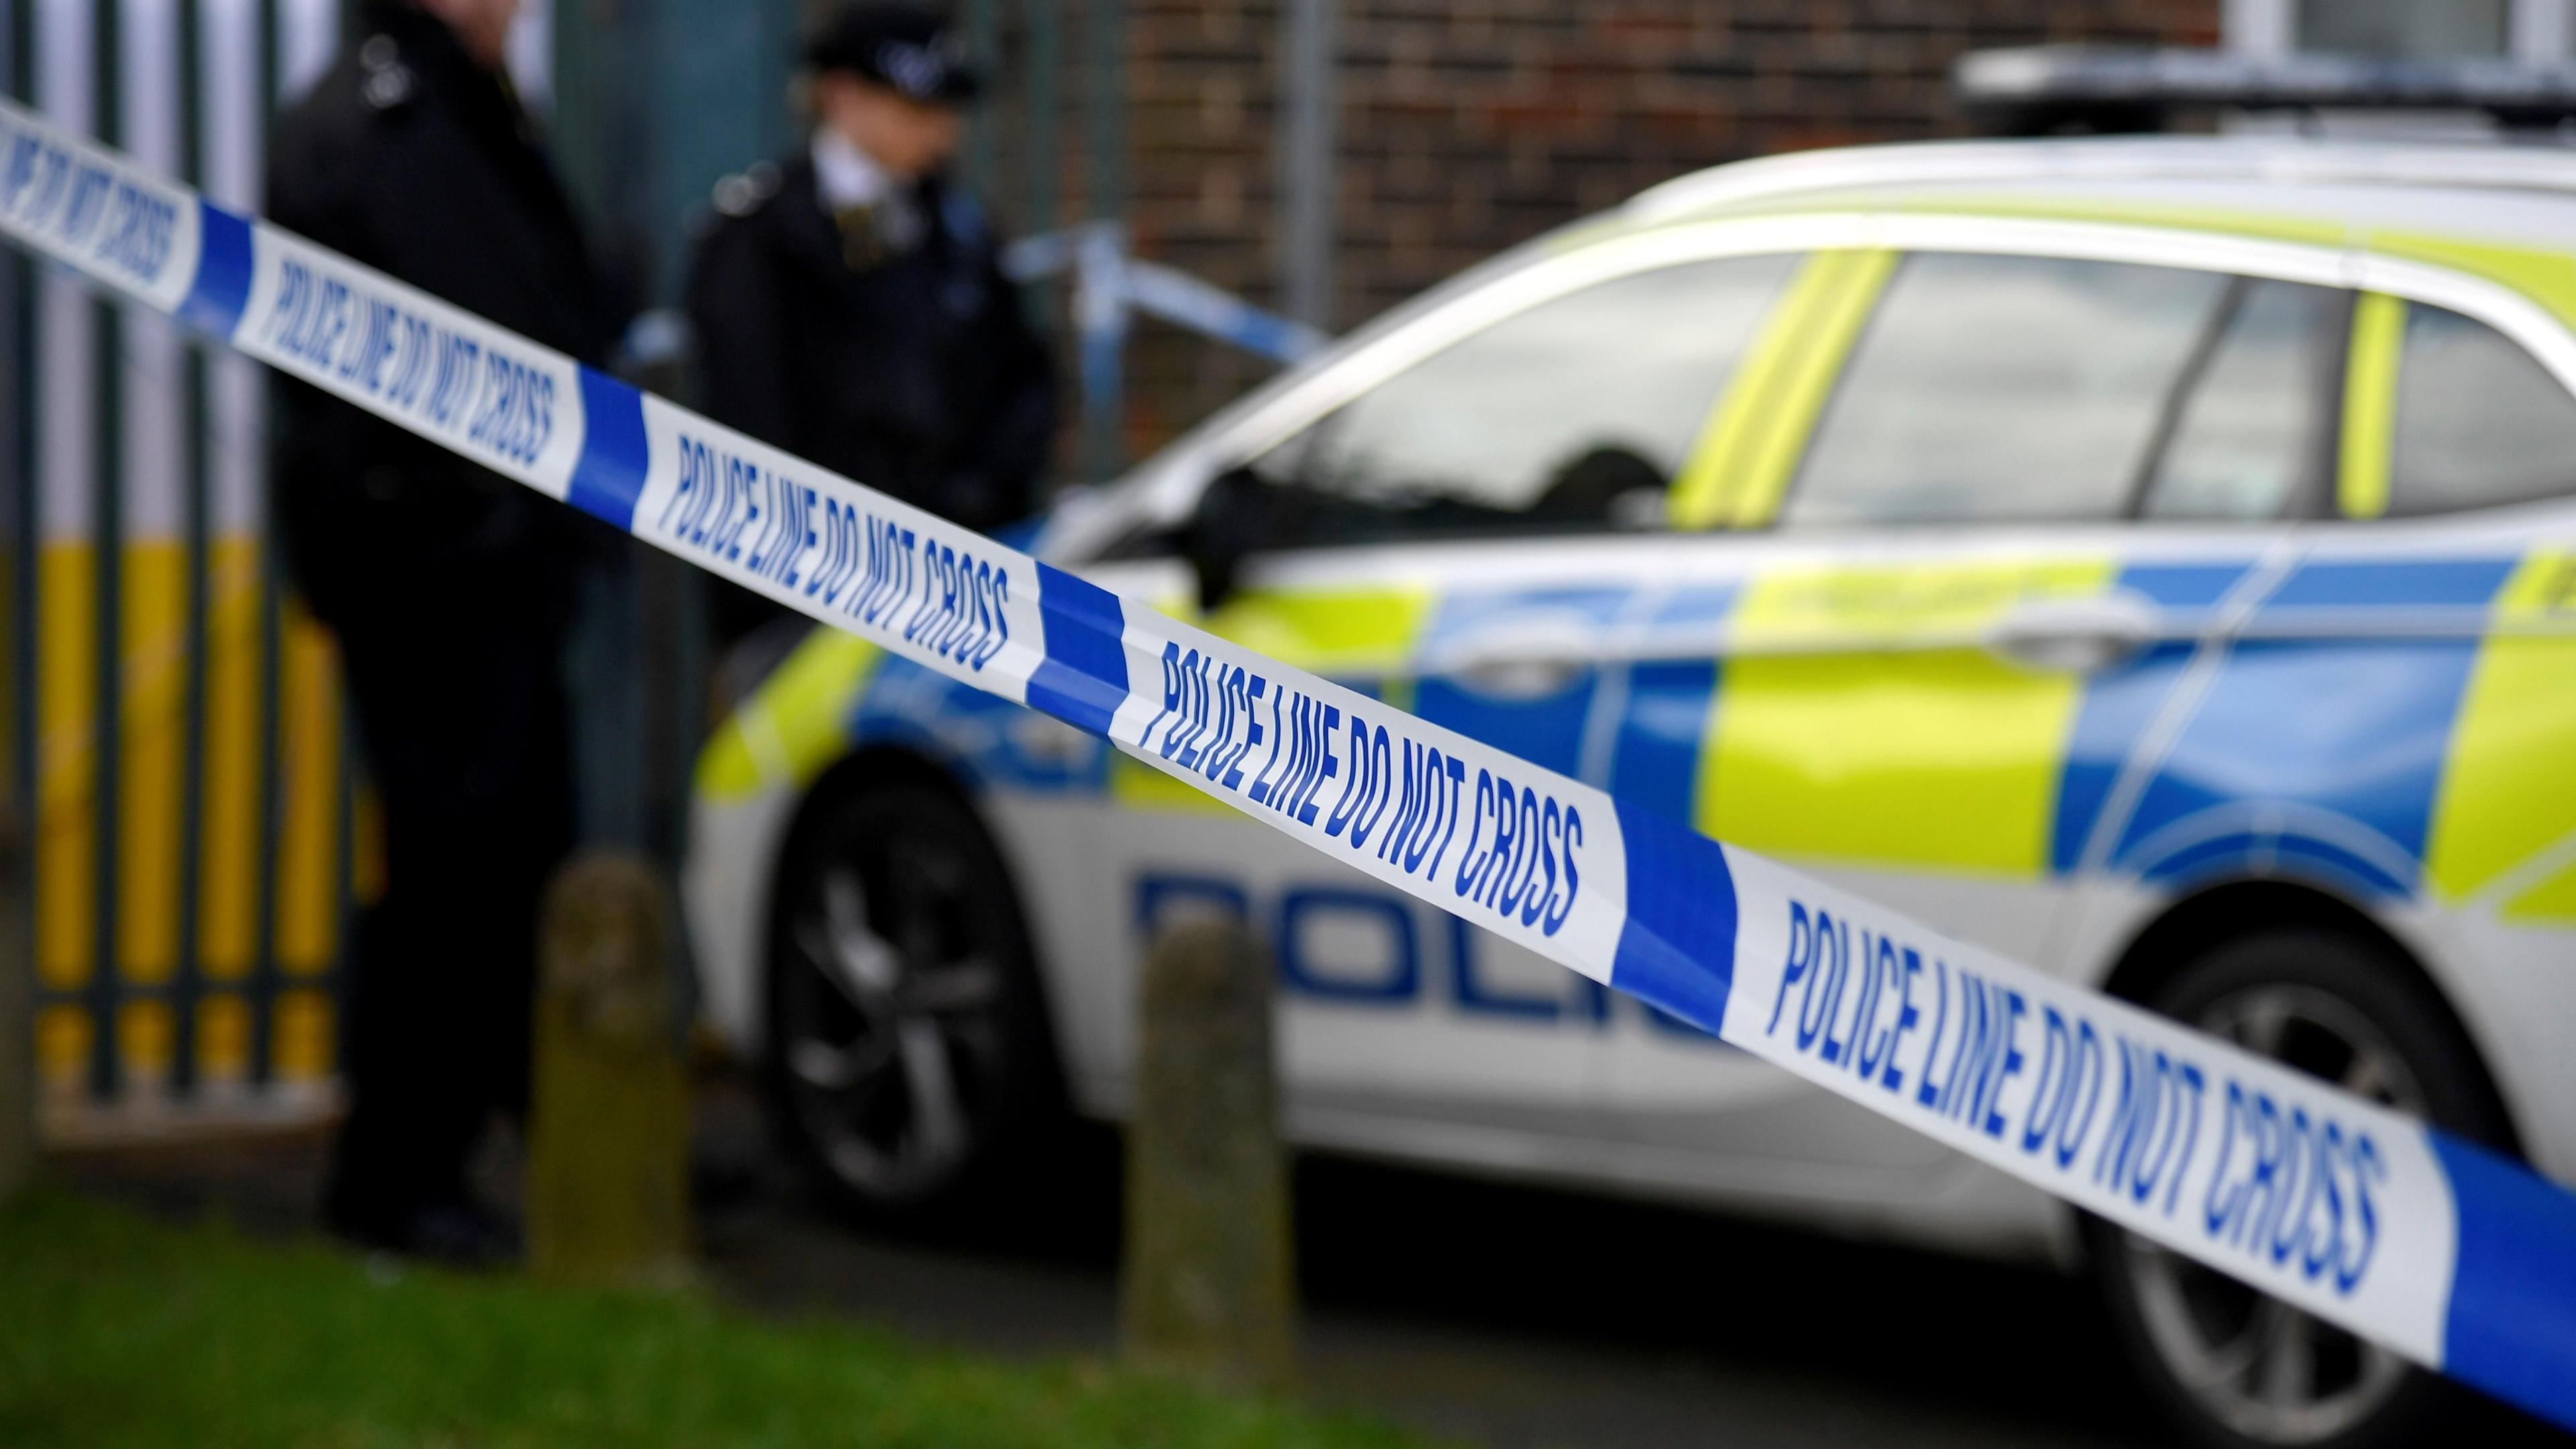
(910, 1065)
(2231, 1366)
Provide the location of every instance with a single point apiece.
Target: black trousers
(457, 681)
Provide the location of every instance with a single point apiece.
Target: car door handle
(2075, 636)
(1532, 657)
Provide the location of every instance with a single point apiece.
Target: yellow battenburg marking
(2369, 405)
(795, 724)
(66, 784)
(1739, 469)
(308, 880)
(1332, 632)
(1848, 745)
(2508, 791)
(301, 1044)
(1371, 634)
(228, 882)
(62, 1050)
(2550, 903)
(153, 759)
(2545, 275)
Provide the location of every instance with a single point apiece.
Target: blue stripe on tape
(1678, 949)
(2511, 1331)
(1083, 679)
(609, 476)
(222, 286)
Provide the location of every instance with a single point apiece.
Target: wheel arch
(875, 766)
(2195, 923)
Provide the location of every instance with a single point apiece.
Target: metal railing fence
(175, 723)
(174, 728)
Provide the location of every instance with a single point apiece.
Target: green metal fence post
(1105, 134)
(187, 980)
(1046, 51)
(108, 736)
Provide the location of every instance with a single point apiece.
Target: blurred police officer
(451, 590)
(849, 302)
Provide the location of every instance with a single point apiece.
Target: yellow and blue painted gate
(177, 736)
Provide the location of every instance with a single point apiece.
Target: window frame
(2309, 498)
(2365, 492)
(1319, 438)
(1165, 495)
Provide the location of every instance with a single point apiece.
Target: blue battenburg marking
(2181, 586)
(609, 475)
(1655, 756)
(221, 290)
(2509, 1331)
(2341, 742)
(2385, 583)
(2120, 703)
(1655, 762)
(1542, 730)
(1677, 950)
(1083, 679)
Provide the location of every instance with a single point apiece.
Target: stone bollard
(1208, 1286)
(608, 1135)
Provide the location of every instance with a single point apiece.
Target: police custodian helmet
(904, 48)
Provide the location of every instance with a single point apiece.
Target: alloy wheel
(2266, 1370)
(893, 1030)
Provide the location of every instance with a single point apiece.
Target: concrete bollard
(608, 1135)
(1209, 1288)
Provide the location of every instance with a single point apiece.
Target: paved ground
(1501, 1315)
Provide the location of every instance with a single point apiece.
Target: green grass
(116, 1330)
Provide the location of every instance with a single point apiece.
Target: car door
(2397, 727)
(1989, 509)
(1496, 480)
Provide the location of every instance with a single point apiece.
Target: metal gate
(176, 725)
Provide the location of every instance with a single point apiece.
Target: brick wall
(1470, 125)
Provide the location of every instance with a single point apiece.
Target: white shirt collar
(844, 175)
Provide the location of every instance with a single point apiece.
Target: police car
(2153, 559)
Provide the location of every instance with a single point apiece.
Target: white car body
(2216, 751)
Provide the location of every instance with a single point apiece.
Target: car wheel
(909, 1061)
(2230, 1365)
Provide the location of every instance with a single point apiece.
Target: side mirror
(1238, 515)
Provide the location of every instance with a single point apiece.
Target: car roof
(2504, 212)
(2511, 194)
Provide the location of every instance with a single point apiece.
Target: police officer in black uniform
(451, 592)
(849, 302)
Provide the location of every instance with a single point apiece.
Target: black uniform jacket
(409, 156)
(918, 375)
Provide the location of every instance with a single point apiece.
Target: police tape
(1112, 281)
(2451, 1255)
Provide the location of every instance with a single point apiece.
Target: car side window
(1572, 415)
(2249, 424)
(2478, 421)
(2008, 389)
